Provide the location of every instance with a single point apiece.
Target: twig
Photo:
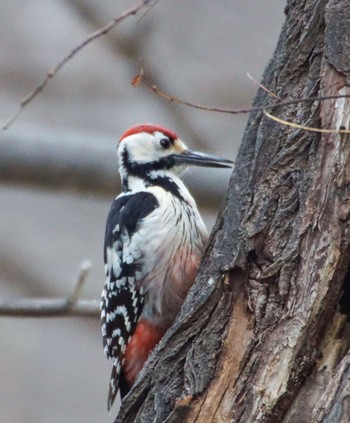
(173, 99)
(48, 307)
(306, 128)
(93, 36)
(155, 2)
(259, 84)
(84, 271)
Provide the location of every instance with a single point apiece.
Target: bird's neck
(160, 178)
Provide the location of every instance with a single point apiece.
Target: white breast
(172, 240)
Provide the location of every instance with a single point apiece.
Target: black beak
(196, 158)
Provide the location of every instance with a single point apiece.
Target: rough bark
(263, 335)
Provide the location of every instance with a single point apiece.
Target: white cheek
(143, 151)
(140, 147)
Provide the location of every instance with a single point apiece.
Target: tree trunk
(264, 335)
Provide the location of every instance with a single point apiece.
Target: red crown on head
(150, 129)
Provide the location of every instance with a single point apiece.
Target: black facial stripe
(142, 169)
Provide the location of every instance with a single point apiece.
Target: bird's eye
(165, 143)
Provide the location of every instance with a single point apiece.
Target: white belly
(173, 238)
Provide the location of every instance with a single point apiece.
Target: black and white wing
(122, 298)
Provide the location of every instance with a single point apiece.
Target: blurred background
(58, 170)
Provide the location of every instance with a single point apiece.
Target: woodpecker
(154, 240)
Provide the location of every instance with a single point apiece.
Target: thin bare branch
(52, 73)
(306, 128)
(155, 2)
(83, 273)
(173, 99)
(58, 307)
(259, 84)
(48, 307)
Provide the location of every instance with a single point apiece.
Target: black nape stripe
(166, 183)
(125, 185)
